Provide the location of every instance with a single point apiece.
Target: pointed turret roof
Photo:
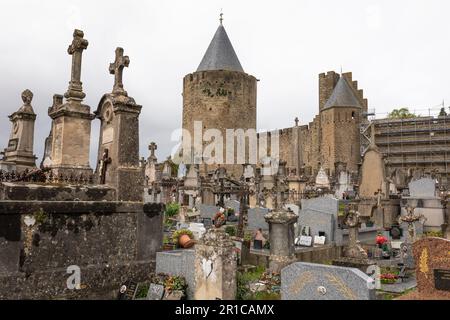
(342, 96)
(220, 54)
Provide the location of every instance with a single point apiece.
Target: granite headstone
(307, 281)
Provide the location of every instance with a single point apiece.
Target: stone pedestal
(119, 138)
(281, 237)
(215, 267)
(71, 139)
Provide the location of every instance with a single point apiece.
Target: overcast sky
(397, 50)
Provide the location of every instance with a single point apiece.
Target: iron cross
(116, 69)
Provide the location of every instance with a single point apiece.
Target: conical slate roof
(220, 54)
(342, 96)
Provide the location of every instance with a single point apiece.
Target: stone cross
(152, 147)
(75, 91)
(296, 121)
(410, 218)
(104, 161)
(116, 68)
(354, 249)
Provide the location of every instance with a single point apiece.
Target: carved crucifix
(379, 195)
(79, 44)
(116, 69)
(103, 165)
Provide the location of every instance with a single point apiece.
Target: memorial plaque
(108, 135)
(442, 279)
(127, 291)
(155, 292)
(12, 145)
(305, 241)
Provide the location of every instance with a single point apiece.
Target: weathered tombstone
(256, 219)
(20, 145)
(432, 257)
(118, 152)
(307, 281)
(208, 212)
(422, 188)
(215, 267)
(150, 167)
(155, 292)
(233, 204)
(178, 263)
(423, 196)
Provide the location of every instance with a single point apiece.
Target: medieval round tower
(218, 96)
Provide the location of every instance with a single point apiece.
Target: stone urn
(185, 241)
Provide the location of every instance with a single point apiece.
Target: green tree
(402, 113)
(443, 113)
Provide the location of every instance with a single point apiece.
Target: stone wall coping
(8, 207)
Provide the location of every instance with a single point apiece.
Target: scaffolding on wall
(419, 143)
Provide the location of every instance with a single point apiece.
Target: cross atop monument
(75, 91)
(221, 17)
(116, 68)
(152, 147)
(296, 121)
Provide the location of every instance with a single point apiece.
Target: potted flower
(184, 238)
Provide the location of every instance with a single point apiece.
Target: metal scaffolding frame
(405, 144)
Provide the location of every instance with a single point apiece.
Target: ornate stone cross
(79, 44)
(296, 121)
(116, 68)
(410, 218)
(104, 162)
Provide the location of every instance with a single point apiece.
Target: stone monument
(19, 153)
(118, 153)
(71, 125)
(281, 237)
(354, 249)
(215, 267)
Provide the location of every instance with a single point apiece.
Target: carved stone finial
(57, 100)
(116, 68)
(27, 97)
(296, 121)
